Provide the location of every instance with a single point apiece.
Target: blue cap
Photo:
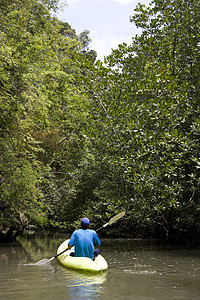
(85, 222)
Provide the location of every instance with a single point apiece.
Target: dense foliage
(147, 125)
(43, 107)
(79, 137)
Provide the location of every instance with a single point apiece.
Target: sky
(107, 21)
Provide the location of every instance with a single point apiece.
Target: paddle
(112, 220)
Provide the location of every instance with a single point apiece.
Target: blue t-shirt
(84, 241)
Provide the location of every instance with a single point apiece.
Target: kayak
(80, 263)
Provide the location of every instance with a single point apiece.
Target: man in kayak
(85, 241)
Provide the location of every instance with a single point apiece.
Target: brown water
(138, 270)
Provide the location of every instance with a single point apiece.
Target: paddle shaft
(59, 253)
(102, 226)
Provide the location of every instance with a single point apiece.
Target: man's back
(84, 241)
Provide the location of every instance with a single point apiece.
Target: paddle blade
(115, 218)
(42, 262)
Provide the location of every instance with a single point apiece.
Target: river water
(138, 270)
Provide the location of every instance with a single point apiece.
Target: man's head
(85, 222)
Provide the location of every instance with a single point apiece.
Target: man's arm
(96, 241)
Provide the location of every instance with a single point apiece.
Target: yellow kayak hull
(80, 263)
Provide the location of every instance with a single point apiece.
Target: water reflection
(84, 285)
(22, 279)
(41, 245)
(137, 271)
(75, 284)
